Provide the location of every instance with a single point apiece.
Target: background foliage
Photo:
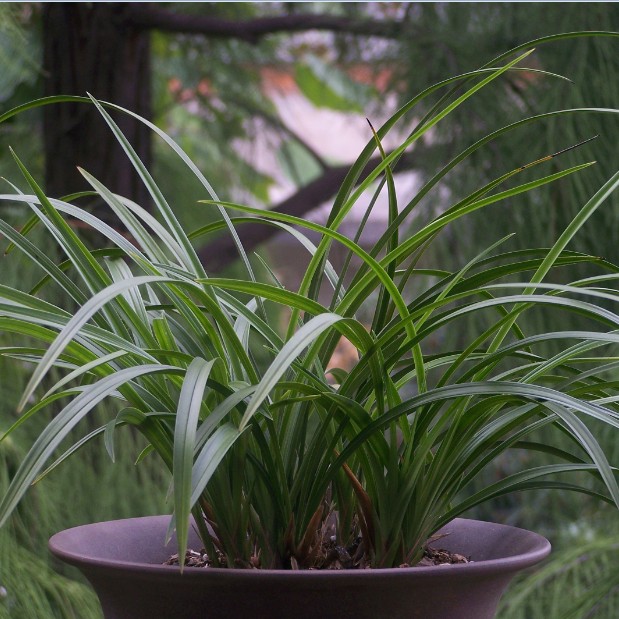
(206, 93)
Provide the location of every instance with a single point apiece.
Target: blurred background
(270, 100)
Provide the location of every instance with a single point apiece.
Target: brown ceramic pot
(122, 559)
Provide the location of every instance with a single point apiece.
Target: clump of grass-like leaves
(266, 459)
(579, 582)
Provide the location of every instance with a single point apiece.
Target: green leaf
(85, 368)
(280, 365)
(210, 457)
(62, 424)
(74, 325)
(187, 414)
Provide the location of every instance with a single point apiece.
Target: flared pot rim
(65, 547)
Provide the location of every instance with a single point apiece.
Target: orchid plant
(275, 460)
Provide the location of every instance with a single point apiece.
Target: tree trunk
(90, 47)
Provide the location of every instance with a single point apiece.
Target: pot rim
(540, 549)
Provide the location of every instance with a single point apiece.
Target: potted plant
(311, 491)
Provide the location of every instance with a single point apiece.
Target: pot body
(123, 561)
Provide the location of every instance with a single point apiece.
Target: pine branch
(252, 30)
